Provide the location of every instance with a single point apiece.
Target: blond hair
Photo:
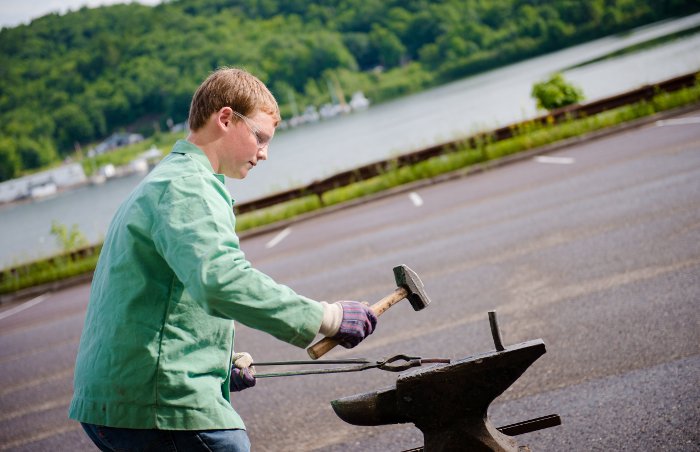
(235, 88)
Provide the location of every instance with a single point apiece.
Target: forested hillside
(75, 78)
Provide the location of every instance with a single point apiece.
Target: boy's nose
(262, 153)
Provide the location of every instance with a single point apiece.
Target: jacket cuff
(332, 318)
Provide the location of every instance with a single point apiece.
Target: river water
(311, 152)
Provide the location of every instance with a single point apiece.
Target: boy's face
(246, 143)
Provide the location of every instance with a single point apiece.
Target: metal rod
(327, 361)
(311, 372)
(436, 361)
(530, 426)
(495, 331)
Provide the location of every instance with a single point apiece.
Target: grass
(48, 270)
(526, 137)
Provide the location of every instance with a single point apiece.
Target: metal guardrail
(344, 178)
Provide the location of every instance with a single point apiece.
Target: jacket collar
(195, 153)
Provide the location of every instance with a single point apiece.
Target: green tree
(10, 163)
(556, 93)
(73, 124)
(387, 45)
(424, 29)
(36, 153)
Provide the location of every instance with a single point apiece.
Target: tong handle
(307, 362)
(387, 364)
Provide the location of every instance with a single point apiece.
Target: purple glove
(358, 323)
(241, 379)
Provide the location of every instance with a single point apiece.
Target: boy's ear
(224, 116)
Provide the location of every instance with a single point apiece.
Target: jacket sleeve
(194, 231)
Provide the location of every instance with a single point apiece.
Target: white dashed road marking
(278, 238)
(415, 199)
(554, 160)
(23, 306)
(679, 121)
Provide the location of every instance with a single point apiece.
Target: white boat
(359, 101)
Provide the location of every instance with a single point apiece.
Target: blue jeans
(110, 439)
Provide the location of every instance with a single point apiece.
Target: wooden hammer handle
(390, 300)
(322, 347)
(327, 344)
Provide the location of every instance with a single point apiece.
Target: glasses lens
(254, 130)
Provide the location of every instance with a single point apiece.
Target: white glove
(243, 360)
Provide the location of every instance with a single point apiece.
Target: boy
(154, 367)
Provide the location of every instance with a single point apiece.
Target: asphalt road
(597, 252)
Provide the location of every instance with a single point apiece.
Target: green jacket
(156, 346)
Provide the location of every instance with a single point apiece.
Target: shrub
(556, 93)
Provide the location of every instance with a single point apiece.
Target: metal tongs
(390, 364)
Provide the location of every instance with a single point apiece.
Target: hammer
(409, 286)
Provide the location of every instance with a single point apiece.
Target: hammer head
(407, 278)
